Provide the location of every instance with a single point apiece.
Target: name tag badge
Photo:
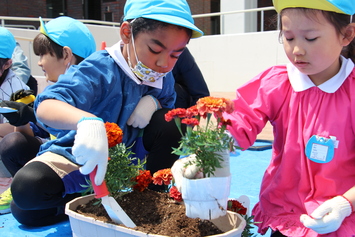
(320, 149)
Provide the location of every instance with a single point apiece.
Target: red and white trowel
(113, 209)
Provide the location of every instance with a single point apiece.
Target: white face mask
(142, 71)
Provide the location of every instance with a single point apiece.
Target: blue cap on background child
(66, 31)
(339, 6)
(176, 12)
(7, 43)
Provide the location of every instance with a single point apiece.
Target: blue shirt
(100, 86)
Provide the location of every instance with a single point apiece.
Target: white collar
(301, 82)
(116, 53)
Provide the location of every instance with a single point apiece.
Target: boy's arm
(60, 115)
(90, 143)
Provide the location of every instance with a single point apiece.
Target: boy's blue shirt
(99, 86)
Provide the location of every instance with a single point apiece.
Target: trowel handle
(101, 190)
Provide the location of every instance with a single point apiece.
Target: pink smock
(293, 184)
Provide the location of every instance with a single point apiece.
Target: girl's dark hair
(43, 45)
(143, 25)
(338, 20)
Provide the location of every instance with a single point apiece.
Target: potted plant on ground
(123, 176)
(203, 176)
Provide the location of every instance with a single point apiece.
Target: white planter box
(82, 226)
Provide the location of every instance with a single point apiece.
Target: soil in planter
(154, 213)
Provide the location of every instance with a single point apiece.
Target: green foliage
(249, 226)
(88, 188)
(205, 142)
(121, 171)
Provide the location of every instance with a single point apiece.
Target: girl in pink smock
(308, 188)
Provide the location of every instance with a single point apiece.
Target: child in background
(9, 83)
(308, 188)
(189, 82)
(126, 84)
(57, 51)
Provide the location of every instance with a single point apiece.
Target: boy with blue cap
(308, 188)
(58, 48)
(129, 84)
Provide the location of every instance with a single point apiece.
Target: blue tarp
(247, 168)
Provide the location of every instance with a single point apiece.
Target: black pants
(37, 190)
(16, 149)
(158, 139)
(277, 234)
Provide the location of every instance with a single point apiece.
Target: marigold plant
(161, 177)
(121, 171)
(203, 139)
(114, 134)
(235, 206)
(143, 180)
(123, 175)
(175, 194)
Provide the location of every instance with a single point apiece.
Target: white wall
(226, 61)
(238, 22)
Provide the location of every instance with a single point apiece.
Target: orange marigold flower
(190, 122)
(114, 134)
(174, 193)
(162, 176)
(214, 105)
(174, 113)
(192, 111)
(143, 180)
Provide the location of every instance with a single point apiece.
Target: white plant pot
(82, 226)
(225, 164)
(206, 198)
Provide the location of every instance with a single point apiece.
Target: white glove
(143, 111)
(190, 172)
(91, 147)
(328, 217)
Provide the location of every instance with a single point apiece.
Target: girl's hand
(328, 217)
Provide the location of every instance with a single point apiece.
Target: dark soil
(155, 213)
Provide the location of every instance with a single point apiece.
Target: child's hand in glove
(91, 147)
(328, 217)
(143, 112)
(185, 167)
(24, 96)
(21, 116)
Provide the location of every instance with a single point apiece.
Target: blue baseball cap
(176, 12)
(7, 43)
(339, 6)
(66, 31)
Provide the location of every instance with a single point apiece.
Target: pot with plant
(203, 176)
(154, 214)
